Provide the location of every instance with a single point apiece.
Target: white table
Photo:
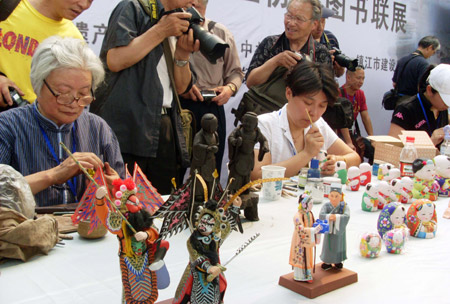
(87, 271)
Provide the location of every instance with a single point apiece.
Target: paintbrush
(310, 120)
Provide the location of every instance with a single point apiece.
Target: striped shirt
(23, 147)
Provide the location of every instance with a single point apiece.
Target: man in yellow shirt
(20, 34)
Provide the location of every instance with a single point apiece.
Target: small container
(315, 187)
(375, 167)
(327, 181)
(314, 171)
(302, 177)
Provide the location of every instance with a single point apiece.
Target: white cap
(439, 80)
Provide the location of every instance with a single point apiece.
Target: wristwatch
(181, 63)
(232, 87)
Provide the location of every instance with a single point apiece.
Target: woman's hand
(313, 141)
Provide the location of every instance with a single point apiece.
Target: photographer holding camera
(28, 24)
(145, 46)
(216, 83)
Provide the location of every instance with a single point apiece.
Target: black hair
(423, 82)
(311, 77)
(418, 164)
(140, 220)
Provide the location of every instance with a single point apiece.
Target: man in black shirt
(411, 67)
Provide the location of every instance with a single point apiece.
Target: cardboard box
(388, 148)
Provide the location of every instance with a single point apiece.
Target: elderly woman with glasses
(64, 75)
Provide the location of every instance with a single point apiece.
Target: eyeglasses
(296, 19)
(67, 98)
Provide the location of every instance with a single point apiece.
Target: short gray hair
(57, 52)
(430, 41)
(316, 7)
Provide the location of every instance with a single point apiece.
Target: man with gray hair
(301, 17)
(410, 68)
(64, 76)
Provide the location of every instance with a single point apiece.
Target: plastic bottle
(445, 146)
(407, 157)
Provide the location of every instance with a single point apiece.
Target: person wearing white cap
(426, 111)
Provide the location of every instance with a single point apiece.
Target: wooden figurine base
(250, 206)
(168, 301)
(323, 281)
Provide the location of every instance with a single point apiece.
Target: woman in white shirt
(293, 141)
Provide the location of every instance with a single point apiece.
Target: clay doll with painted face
(425, 185)
(422, 219)
(337, 212)
(304, 239)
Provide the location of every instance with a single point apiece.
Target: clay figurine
(354, 178)
(385, 194)
(322, 157)
(408, 185)
(341, 171)
(442, 163)
(366, 173)
(392, 216)
(304, 238)
(204, 148)
(203, 280)
(241, 144)
(422, 219)
(394, 173)
(395, 240)
(425, 186)
(128, 216)
(370, 198)
(383, 170)
(399, 191)
(370, 245)
(447, 212)
(337, 213)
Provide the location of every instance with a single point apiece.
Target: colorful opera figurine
(366, 173)
(425, 186)
(340, 168)
(370, 245)
(442, 163)
(395, 240)
(370, 198)
(353, 178)
(421, 219)
(337, 213)
(203, 280)
(392, 216)
(383, 170)
(204, 148)
(399, 191)
(304, 239)
(385, 194)
(140, 253)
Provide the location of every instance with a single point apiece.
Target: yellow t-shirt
(20, 35)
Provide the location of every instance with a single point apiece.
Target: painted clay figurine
(385, 194)
(337, 213)
(370, 245)
(408, 185)
(447, 212)
(304, 238)
(366, 173)
(354, 178)
(422, 219)
(399, 192)
(203, 281)
(340, 168)
(442, 163)
(424, 184)
(395, 240)
(140, 254)
(370, 198)
(322, 157)
(383, 170)
(394, 173)
(392, 216)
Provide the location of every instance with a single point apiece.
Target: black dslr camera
(18, 101)
(344, 60)
(211, 46)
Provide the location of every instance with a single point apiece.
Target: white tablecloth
(87, 271)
